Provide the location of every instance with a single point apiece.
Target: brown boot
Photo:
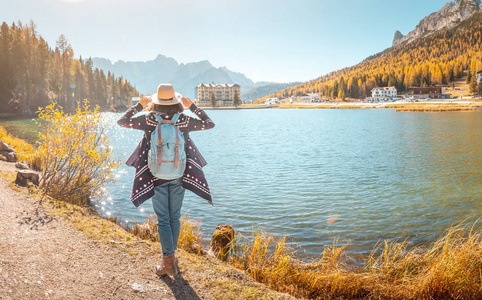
(168, 266)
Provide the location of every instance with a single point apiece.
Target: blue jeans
(167, 203)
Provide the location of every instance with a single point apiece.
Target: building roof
(389, 88)
(479, 71)
(424, 90)
(219, 85)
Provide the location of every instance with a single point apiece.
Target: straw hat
(166, 95)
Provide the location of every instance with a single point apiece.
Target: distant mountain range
(266, 89)
(146, 76)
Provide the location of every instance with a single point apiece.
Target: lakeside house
(223, 92)
(380, 94)
(309, 98)
(479, 76)
(272, 101)
(434, 92)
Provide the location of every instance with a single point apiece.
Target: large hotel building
(223, 93)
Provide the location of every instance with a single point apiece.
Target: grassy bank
(449, 268)
(434, 107)
(215, 278)
(25, 151)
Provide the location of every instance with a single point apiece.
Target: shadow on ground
(181, 289)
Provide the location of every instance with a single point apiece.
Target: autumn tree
(33, 75)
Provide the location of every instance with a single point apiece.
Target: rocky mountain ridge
(146, 75)
(449, 15)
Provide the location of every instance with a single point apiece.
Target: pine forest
(33, 75)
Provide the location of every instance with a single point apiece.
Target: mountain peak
(449, 15)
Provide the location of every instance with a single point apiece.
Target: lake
(359, 176)
(356, 175)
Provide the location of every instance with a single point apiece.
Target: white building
(223, 93)
(384, 92)
(271, 101)
(309, 98)
(479, 76)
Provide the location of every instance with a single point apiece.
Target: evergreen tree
(469, 77)
(236, 100)
(6, 84)
(473, 86)
(212, 98)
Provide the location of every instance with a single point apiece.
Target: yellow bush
(75, 153)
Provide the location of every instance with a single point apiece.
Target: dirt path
(42, 257)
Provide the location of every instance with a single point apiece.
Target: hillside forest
(436, 59)
(33, 75)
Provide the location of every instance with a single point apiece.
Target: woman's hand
(186, 102)
(144, 101)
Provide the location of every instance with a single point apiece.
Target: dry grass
(190, 238)
(450, 268)
(459, 89)
(435, 107)
(25, 151)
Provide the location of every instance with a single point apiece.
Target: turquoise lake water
(359, 176)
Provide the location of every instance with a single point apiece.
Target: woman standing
(167, 195)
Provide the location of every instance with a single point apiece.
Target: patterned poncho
(144, 182)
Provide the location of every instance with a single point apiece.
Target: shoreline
(277, 269)
(59, 250)
(437, 105)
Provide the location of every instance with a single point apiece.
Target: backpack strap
(175, 117)
(160, 120)
(176, 149)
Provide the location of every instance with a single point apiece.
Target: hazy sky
(267, 40)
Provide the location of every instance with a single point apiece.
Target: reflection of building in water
(223, 93)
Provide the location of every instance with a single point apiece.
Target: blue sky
(267, 40)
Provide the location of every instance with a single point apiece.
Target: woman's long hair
(166, 109)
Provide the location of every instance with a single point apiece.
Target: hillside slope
(437, 59)
(266, 89)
